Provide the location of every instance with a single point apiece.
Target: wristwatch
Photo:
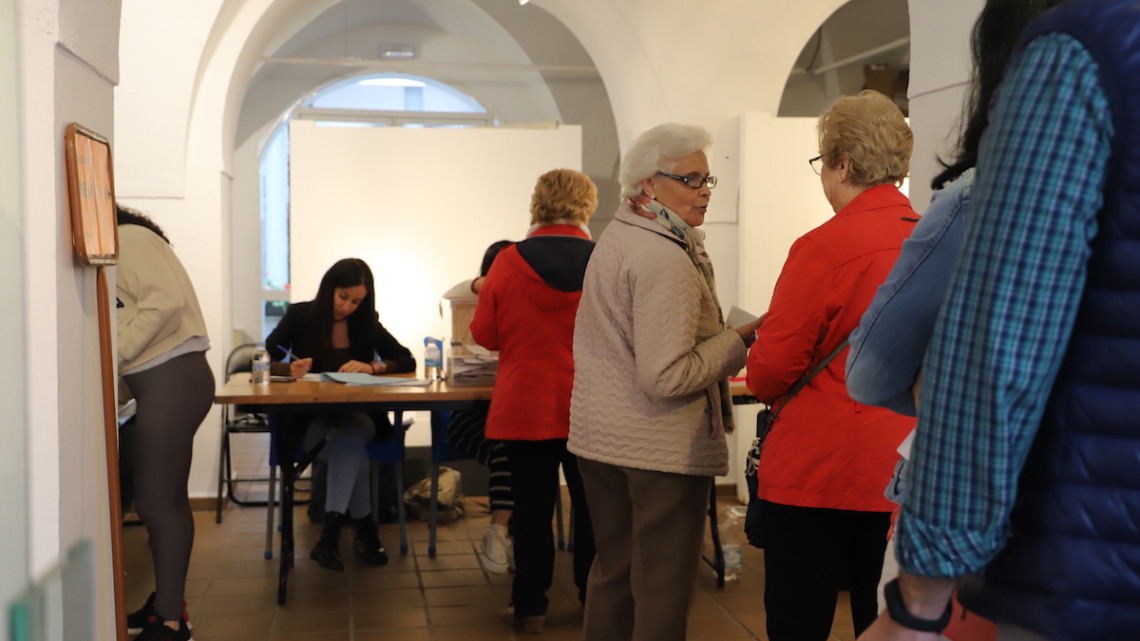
(900, 615)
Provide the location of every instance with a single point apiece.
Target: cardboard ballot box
(468, 363)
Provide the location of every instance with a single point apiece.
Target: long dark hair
(347, 272)
(128, 216)
(995, 35)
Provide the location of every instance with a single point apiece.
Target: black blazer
(294, 332)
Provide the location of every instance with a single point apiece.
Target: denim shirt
(888, 346)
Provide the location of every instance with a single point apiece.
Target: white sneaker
(495, 555)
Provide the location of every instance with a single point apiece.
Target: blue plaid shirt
(1006, 321)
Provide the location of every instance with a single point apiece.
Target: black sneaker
(155, 630)
(137, 620)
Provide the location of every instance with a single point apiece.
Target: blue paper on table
(360, 378)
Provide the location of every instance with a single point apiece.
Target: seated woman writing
(339, 331)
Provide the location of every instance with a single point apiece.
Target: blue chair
(442, 451)
(391, 450)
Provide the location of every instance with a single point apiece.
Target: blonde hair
(870, 131)
(563, 194)
(659, 149)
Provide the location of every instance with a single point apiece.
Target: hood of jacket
(555, 256)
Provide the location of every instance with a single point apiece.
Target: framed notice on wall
(91, 196)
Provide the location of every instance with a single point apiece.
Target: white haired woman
(650, 406)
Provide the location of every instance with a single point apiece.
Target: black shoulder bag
(754, 520)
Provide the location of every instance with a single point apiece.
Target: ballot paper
(478, 368)
(738, 317)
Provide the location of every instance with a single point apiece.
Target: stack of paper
(474, 369)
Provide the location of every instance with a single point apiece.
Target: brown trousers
(648, 527)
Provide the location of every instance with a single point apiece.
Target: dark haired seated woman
(339, 331)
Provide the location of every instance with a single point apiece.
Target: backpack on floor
(418, 497)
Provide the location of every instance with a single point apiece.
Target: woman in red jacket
(828, 459)
(526, 311)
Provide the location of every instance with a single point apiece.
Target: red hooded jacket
(526, 311)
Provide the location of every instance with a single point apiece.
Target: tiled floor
(231, 589)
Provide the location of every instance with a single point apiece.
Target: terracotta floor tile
(474, 633)
(389, 619)
(450, 578)
(448, 562)
(410, 634)
(470, 595)
(250, 624)
(450, 615)
(314, 621)
(364, 599)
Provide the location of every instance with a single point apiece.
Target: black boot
(368, 546)
(327, 550)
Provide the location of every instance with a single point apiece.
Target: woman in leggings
(162, 361)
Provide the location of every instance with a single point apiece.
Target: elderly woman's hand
(748, 330)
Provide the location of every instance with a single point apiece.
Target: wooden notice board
(91, 196)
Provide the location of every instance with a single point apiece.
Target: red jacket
(825, 449)
(526, 311)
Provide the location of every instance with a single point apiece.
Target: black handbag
(754, 518)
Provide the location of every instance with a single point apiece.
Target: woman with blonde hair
(828, 459)
(526, 311)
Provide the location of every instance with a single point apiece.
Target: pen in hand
(298, 367)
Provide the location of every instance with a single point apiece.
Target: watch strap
(900, 615)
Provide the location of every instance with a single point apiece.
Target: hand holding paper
(745, 324)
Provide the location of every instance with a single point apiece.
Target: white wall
(67, 74)
(13, 458)
(940, 69)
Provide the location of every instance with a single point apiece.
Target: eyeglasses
(695, 181)
(817, 164)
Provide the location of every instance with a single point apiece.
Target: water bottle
(433, 358)
(260, 369)
(731, 528)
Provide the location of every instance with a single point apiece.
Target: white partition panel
(419, 205)
(780, 200)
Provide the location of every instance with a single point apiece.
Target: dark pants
(172, 398)
(534, 484)
(809, 553)
(650, 527)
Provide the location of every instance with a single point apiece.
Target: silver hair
(659, 149)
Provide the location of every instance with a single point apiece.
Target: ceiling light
(522, 2)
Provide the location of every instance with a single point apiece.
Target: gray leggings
(172, 398)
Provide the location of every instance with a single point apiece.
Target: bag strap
(803, 382)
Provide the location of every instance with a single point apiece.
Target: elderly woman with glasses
(828, 459)
(650, 406)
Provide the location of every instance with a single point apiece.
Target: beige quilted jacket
(650, 356)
